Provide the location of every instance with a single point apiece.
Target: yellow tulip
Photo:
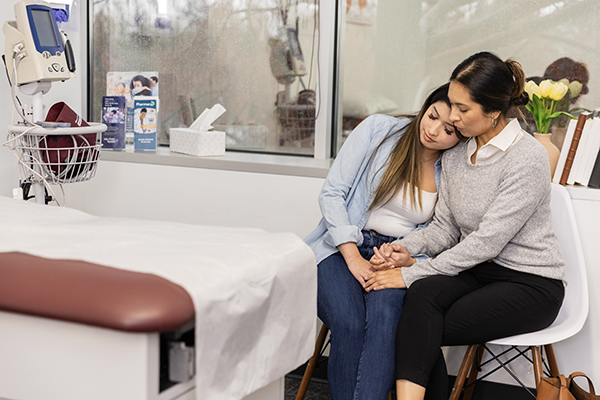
(546, 87)
(575, 88)
(532, 88)
(558, 91)
(565, 81)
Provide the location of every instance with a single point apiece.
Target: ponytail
(518, 96)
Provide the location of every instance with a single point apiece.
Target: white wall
(276, 203)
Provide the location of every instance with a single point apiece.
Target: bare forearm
(349, 251)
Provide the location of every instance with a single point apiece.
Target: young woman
(382, 186)
(496, 268)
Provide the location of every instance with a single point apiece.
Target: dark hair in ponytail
(494, 84)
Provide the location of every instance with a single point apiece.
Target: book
(573, 148)
(590, 153)
(145, 117)
(594, 180)
(565, 149)
(114, 112)
(580, 155)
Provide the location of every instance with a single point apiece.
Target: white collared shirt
(497, 146)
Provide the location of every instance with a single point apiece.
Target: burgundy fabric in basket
(61, 112)
(59, 159)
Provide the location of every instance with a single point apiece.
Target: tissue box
(196, 143)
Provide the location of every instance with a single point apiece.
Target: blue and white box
(145, 122)
(114, 113)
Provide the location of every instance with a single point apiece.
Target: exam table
(94, 308)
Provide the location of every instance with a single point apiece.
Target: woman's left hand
(388, 279)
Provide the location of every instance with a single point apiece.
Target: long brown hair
(405, 164)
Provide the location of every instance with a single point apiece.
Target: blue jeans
(363, 328)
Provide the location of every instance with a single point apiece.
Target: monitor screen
(43, 25)
(295, 44)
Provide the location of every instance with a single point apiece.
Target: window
(387, 56)
(396, 52)
(257, 58)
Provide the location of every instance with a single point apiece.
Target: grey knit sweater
(498, 211)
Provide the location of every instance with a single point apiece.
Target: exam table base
(49, 359)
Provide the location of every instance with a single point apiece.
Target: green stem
(545, 125)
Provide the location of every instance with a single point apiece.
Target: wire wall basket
(57, 155)
(297, 124)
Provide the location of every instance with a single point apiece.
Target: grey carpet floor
(316, 390)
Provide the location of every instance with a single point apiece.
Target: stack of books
(579, 162)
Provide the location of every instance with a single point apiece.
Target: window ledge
(231, 161)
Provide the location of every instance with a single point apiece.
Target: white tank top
(398, 218)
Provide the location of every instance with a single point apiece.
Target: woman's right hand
(361, 269)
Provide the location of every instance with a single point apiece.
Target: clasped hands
(386, 265)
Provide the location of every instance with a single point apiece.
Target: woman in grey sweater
(495, 269)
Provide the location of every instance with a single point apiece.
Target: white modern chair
(569, 321)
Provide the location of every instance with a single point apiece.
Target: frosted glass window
(257, 58)
(396, 52)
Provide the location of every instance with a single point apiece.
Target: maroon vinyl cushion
(91, 294)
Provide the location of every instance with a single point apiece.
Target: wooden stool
(312, 362)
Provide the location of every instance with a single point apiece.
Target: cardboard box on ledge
(197, 143)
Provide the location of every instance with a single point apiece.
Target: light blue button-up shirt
(350, 186)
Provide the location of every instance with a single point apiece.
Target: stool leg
(473, 374)
(312, 363)
(536, 355)
(462, 372)
(551, 360)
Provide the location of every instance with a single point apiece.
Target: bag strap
(591, 385)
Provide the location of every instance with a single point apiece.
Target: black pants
(484, 303)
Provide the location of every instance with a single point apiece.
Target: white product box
(196, 143)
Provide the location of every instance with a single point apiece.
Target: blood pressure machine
(44, 52)
(37, 53)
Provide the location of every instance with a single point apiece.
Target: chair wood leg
(312, 363)
(536, 355)
(551, 359)
(473, 374)
(462, 372)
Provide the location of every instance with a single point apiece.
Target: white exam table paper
(254, 291)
